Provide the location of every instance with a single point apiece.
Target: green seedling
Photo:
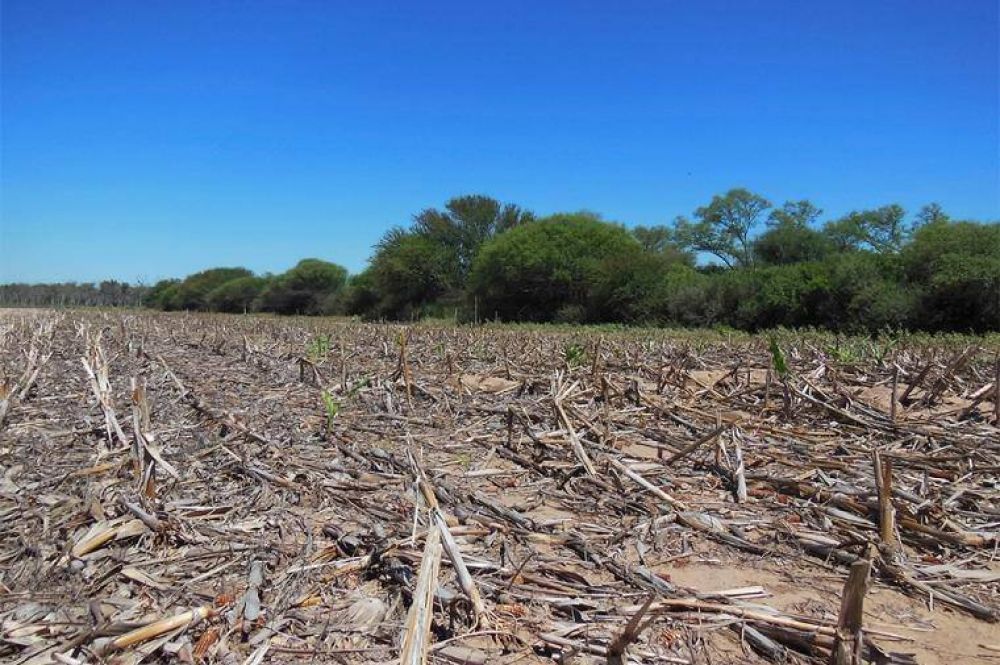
(574, 354)
(318, 348)
(778, 358)
(332, 407)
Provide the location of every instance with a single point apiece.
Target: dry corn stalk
(157, 628)
(96, 367)
(451, 546)
(418, 620)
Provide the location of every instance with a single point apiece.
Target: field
(208, 488)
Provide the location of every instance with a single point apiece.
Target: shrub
(530, 272)
(191, 293)
(236, 295)
(955, 268)
(304, 288)
(161, 293)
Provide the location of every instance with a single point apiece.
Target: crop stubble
(176, 488)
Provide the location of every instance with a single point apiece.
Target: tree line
(737, 261)
(109, 293)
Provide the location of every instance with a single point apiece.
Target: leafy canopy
(724, 227)
(534, 270)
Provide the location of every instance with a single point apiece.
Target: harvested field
(212, 489)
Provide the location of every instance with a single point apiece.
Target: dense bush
(236, 295)
(410, 273)
(534, 271)
(161, 294)
(954, 268)
(634, 286)
(784, 244)
(304, 289)
(423, 270)
(191, 292)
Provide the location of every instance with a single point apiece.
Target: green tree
(794, 213)
(423, 270)
(883, 230)
(790, 237)
(532, 272)
(724, 227)
(634, 286)
(161, 293)
(660, 240)
(191, 292)
(955, 267)
(304, 288)
(236, 295)
(465, 224)
(410, 273)
(867, 293)
(360, 296)
(931, 213)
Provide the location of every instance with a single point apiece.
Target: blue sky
(151, 139)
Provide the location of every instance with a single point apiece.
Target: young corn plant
(574, 355)
(781, 369)
(332, 408)
(318, 348)
(778, 358)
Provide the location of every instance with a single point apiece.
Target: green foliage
(465, 224)
(423, 271)
(867, 292)
(932, 213)
(574, 355)
(530, 272)
(724, 227)
(786, 296)
(789, 238)
(191, 294)
(236, 295)
(800, 214)
(777, 357)
(882, 230)
(867, 271)
(408, 274)
(332, 408)
(634, 286)
(661, 240)
(161, 293)
(955, 269)
(360, 297)
(318, 348)
(304, 289)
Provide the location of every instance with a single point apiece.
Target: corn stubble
(213, 489)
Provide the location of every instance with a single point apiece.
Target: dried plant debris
(212, 489)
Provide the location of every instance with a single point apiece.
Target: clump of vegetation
(777, 357)
(738, 261)
(318, 348)
(574, 355)
(332, 408)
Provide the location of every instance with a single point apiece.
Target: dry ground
(176, 488)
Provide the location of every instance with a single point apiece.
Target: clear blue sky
(151, 138)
